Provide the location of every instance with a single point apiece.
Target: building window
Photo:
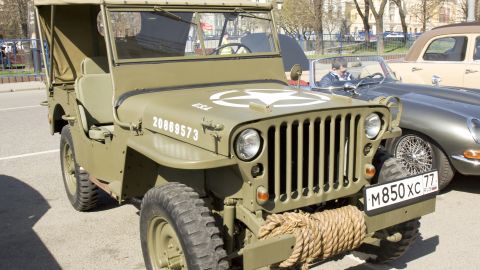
(444, 15)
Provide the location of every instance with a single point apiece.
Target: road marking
(20, 108)
(30, 154)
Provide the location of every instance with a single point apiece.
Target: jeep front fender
(175, 154)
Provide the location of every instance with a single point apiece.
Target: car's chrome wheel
(415, 154)
(419, 154)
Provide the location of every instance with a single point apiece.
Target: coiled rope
(318, 236)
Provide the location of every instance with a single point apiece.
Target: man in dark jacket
(339, 73)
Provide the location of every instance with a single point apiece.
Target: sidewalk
(23, 86)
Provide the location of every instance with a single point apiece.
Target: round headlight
(474, 126)
(248, 144)
(373, 124)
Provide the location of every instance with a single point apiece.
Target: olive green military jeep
(184, 106)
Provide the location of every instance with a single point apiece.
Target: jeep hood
(207, 116)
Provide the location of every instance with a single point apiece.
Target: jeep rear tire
(389, 251)
(390, 169)
(81, 192)
(177, 231)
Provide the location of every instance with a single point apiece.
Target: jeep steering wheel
(238, 45)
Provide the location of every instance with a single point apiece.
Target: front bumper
(278, 249)
(466, 166)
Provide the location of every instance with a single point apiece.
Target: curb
(20, 87)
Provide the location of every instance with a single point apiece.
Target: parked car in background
(394, 35)
(447, 55)
(441, 125)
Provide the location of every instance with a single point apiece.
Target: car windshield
(162, 34)
(359, 71)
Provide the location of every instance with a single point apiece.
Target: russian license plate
(385, 197)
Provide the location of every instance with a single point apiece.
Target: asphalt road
(40, 230)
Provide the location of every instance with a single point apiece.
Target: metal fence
(337, 44)
(21, 60)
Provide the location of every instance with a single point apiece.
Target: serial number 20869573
(175, 128)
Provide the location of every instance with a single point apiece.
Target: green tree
(318, 25)
(14, 17)
(365, 15)
(402, 12)
(378, 14)
(297, 18)
(425, 11)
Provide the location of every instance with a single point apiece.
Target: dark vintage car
(441, 126)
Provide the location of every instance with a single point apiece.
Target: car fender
(446, 128)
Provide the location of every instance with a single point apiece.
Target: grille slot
(309, 157)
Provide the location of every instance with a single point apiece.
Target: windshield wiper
(170, 15)
(250, 14)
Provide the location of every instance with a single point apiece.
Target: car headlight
(474, 127)
(373, 124)
(248, 144)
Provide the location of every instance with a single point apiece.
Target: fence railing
(336, 44)
(21, 60)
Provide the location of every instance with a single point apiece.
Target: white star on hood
(270, 98)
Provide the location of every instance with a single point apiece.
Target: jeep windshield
(163, 34)
(359, 71)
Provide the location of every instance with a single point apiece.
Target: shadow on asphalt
(462, 183)
(105, 202)
(422, 247)
(20, 208)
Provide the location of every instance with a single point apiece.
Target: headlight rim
(379, 126)
(472, 126)
(260, 145)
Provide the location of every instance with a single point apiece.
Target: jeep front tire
(177, 231)
(390, 169)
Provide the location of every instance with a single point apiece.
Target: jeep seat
(94, 91)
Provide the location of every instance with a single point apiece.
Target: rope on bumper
(318, 236)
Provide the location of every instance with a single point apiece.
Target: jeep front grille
(315, 157)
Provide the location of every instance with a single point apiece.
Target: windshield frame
(386, 69)
(195, 10)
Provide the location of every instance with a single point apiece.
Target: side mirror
(436, 80)
(296, 73)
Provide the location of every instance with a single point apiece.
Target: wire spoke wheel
(164, 246)
(415, 154)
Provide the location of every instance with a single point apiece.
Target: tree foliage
(378, 14)
(425, 10)
(463, 8)
(402, 10)
(365, 15)
(332, 16)
(297, 18)
(14, 18)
